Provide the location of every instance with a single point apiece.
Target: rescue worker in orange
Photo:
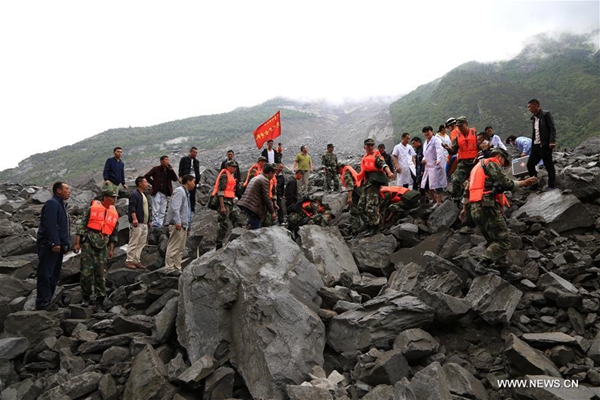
(374, 174)
(483, 200)
(465, 145)
(268, 221)
(395, 199)
(352, 183)
(224, 190)
(255, 169)
(96, 237)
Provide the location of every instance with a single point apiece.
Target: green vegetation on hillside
(563, 74)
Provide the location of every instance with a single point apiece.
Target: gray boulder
(431, 383)
(9, 228)
(494, 299)
(13, 347)
(372, 254)
(562, 212)
(524, 359)
(559, 290)
(164, 322)
(260, 304)
(326, 248)
(589, 147)
(387, 369)
(415, 344)
(147, 379)
(308, 392)
(462, 383)
(12, 287)
(583, 182)
(74, 388)
(443, 216)
(33, 325)
(16, 245)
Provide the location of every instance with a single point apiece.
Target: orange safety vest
(231, 185)
(454, 133)
(467, 145)
(357, 181)
(367, 164)
(258, 172)
(397, 192)
(477, 184)
(102, 219)
(272, 184)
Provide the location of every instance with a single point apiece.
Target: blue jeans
(48, 274)
(253, 218)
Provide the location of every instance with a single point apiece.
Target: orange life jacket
(454, 133)
(396, 191)
(367, 164)
(102, 219)
(467, 145)
(258, 172)
(231, 185)
(272, 185)
(477, 184)
(308, 210)
(357, 181)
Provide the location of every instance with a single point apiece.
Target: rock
(147, 379)
(331, 295)
(326, 248)
(33, 325)
(102, 344)
(379, 322)
(74, 365)
(387, 369)
(41, 196)
(9, 228)
(13, 347)
(108, 388)
(136, 323)
(431, 383)
(589, 147)
(164, 322)
(176, 367)
(494, 299)
(380, 392)
(370, 284)
(17, 245)
(119, 275)
(372, 253)
(448, 309)
(555, 388)
(577, 321)
(561, 355)
(161, 302)
(594, 350)
(262, 304)
(549, 339)
(406, 234)
(443, 216)
(527, 360)
(25, 390)
(584, 183)
(416, 344)
(114, 355)
(74, 388)
(559, 290)
(561, 212)
(297, 392)
(12, 287)
(462, 383)
(219, 385)
(194, 375)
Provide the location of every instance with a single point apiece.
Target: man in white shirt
(495, 140)
(404, 161)
(270, 154)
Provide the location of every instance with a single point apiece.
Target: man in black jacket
(272, 156)
(138, 214)
(280, 192)
(52, 243)
(543, 136)
(188, 165)
(291, 190)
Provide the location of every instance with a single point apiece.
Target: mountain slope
(564, 74)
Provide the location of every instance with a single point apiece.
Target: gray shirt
(179, 212)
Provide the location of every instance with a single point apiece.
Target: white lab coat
(435, 173)
(405, 156)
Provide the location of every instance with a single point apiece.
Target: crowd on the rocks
(456, 162)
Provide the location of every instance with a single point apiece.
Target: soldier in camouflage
(96, 248)
(350, 182)
(227, 210)
(484, 199)
(309, 212)
(374, 174)
(329, 162)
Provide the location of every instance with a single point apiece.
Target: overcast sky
(72, 69)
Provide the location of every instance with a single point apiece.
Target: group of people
(473, 162)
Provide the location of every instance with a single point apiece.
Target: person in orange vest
(395, 200)
(352, 183)
(267, 220)
(255, 169)
(465, 146)
(224, 189)
(96, 237)
(483, 200)
(374, 173)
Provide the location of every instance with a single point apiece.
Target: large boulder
(524, 359)
(16, 245)
(257, 298)
(494, 299)
(589, 147)
(12, 287)
(148, 378)
(562, 212)
(33, 325)
(583, 182)
(372, 254)
(443, 216)
(325, 248)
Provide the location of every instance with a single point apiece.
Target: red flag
(269, 130)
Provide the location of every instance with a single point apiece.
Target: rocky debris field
(269, 316)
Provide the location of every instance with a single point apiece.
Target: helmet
(450, 121)
(497, 151)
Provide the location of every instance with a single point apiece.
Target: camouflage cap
(261, 158)
(330, 145)
(231, 163)
(461, 120)
(369, 141)
(108, 192)
(497, 151)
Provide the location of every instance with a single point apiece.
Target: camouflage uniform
(298, 217)
(487, 215)
(94, 255)
(355, 218)
(369, 203)
(461, 173)
(329, 162)
(231, 213)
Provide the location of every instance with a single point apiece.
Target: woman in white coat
(404, 161)
(434, 177)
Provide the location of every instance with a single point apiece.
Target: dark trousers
(193, 199)
(253, 218)
(48, 274)
(542, 152)
(281, 211)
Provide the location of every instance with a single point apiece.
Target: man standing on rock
(465, 145)
(544, 141)
(374, 174)
(291, 190)
(224, 189)
(189, 165)
(329, 162)
(257, 198)
(231, 157)
(179, 218)
(351, 182)
(404, 156)
(161, 178)
(114, 171)
(484, 199)
(272, 156)
(139, 218)
(52, 243)
(255, 170)
(304, 163)
(96, 237)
